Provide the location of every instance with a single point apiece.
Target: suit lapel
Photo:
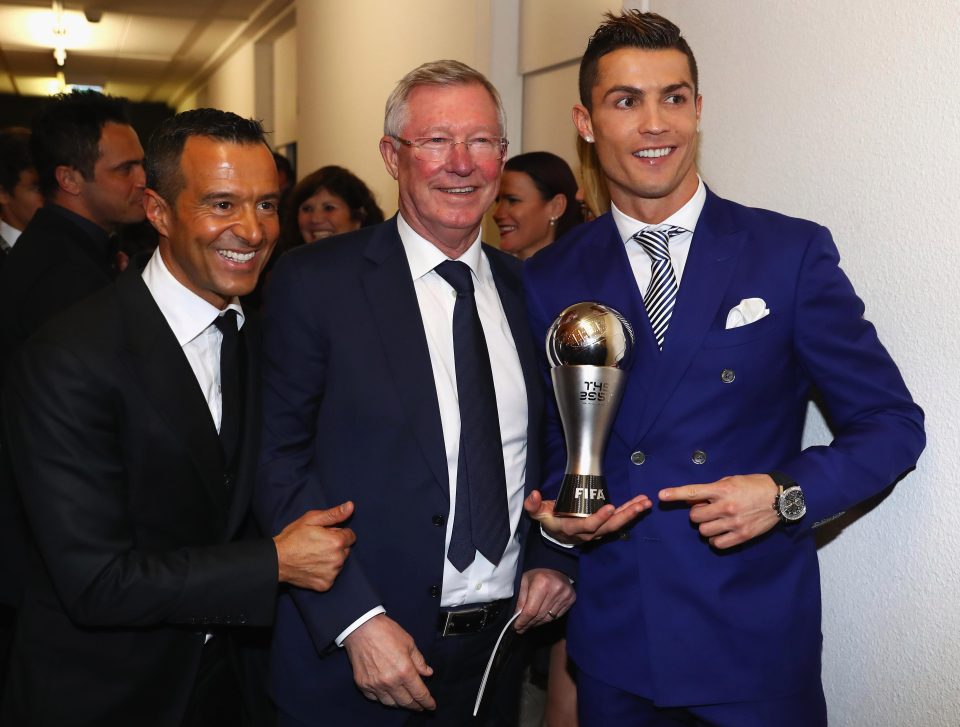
(713, 255)
(396, 312)
(607, 270)
(166, 379)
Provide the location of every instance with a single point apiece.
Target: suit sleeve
(878, 429)
(63, 427)
(294, 378)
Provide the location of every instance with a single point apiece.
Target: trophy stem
(581, 495)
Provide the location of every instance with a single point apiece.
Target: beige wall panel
(345, 75)
(548, 98)
(556, 31)
(285, 88)
(231, 87)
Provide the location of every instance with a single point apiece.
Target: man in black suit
(20, 199)
(367, 396)
(141, 571)
(90, 166)
(20, 196)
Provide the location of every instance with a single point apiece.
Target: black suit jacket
(121, 473)
(351, 412)
(54, 264)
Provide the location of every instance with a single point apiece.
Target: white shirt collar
(423, 256)
(9, 233)
(187, 314)
(685, 217)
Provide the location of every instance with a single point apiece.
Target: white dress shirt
(481, 581)
(9, 235)
(191, 319)
(679, 245)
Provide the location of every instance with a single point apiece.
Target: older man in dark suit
(399, 373)
(133, 420)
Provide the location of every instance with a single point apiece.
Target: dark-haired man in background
(20, 198)
(706, 610)
(90, 167)
(133, 421)
(20, 195)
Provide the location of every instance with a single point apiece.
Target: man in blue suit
(704, 608)
(367, 393)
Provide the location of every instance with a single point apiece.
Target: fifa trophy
(589, 347)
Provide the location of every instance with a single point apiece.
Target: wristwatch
(789, 503)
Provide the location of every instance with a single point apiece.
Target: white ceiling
(146, 50)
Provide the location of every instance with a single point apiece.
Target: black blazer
(54, 264)
(351, 412)
(121, 474)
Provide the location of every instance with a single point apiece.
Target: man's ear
(5, 196)
(581, 119)
(69, 179)
(391, 159)
(157, 211)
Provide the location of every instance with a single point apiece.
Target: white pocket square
(750, 310)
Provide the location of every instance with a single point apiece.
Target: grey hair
(435, 73)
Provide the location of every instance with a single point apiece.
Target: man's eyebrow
(637, 91)
(219, 195)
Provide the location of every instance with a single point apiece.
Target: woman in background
(536, 204)
(327, 202)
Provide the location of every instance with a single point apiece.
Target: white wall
(846, 113)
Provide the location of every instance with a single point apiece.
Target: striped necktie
(661, 294)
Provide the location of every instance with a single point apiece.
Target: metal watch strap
(782, 481)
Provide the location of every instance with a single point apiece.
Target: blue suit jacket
(351, 413)
(659, 612)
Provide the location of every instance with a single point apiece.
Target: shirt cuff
(358, 623)
(554, 540)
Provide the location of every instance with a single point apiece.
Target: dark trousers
(230, 690)
(602, 705)
(458, 663)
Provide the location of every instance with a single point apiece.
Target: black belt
(470, 619)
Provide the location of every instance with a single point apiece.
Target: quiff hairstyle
(164, 175)
(436, 73)
(631, 29)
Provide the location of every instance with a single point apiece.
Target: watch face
(792, 504)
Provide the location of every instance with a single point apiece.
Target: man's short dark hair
(631, 29)
(66, 132)
(164, 175)
(14, 156)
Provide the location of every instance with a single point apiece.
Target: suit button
(727, 376)
(434, 591)
(242, 618)
(438, 520)
(699, 456)
(638, 457)
(227, 481)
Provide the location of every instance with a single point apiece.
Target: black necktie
(229, 385)
(481, 520)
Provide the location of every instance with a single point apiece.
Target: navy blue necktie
(481, 520)
(229, 385)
